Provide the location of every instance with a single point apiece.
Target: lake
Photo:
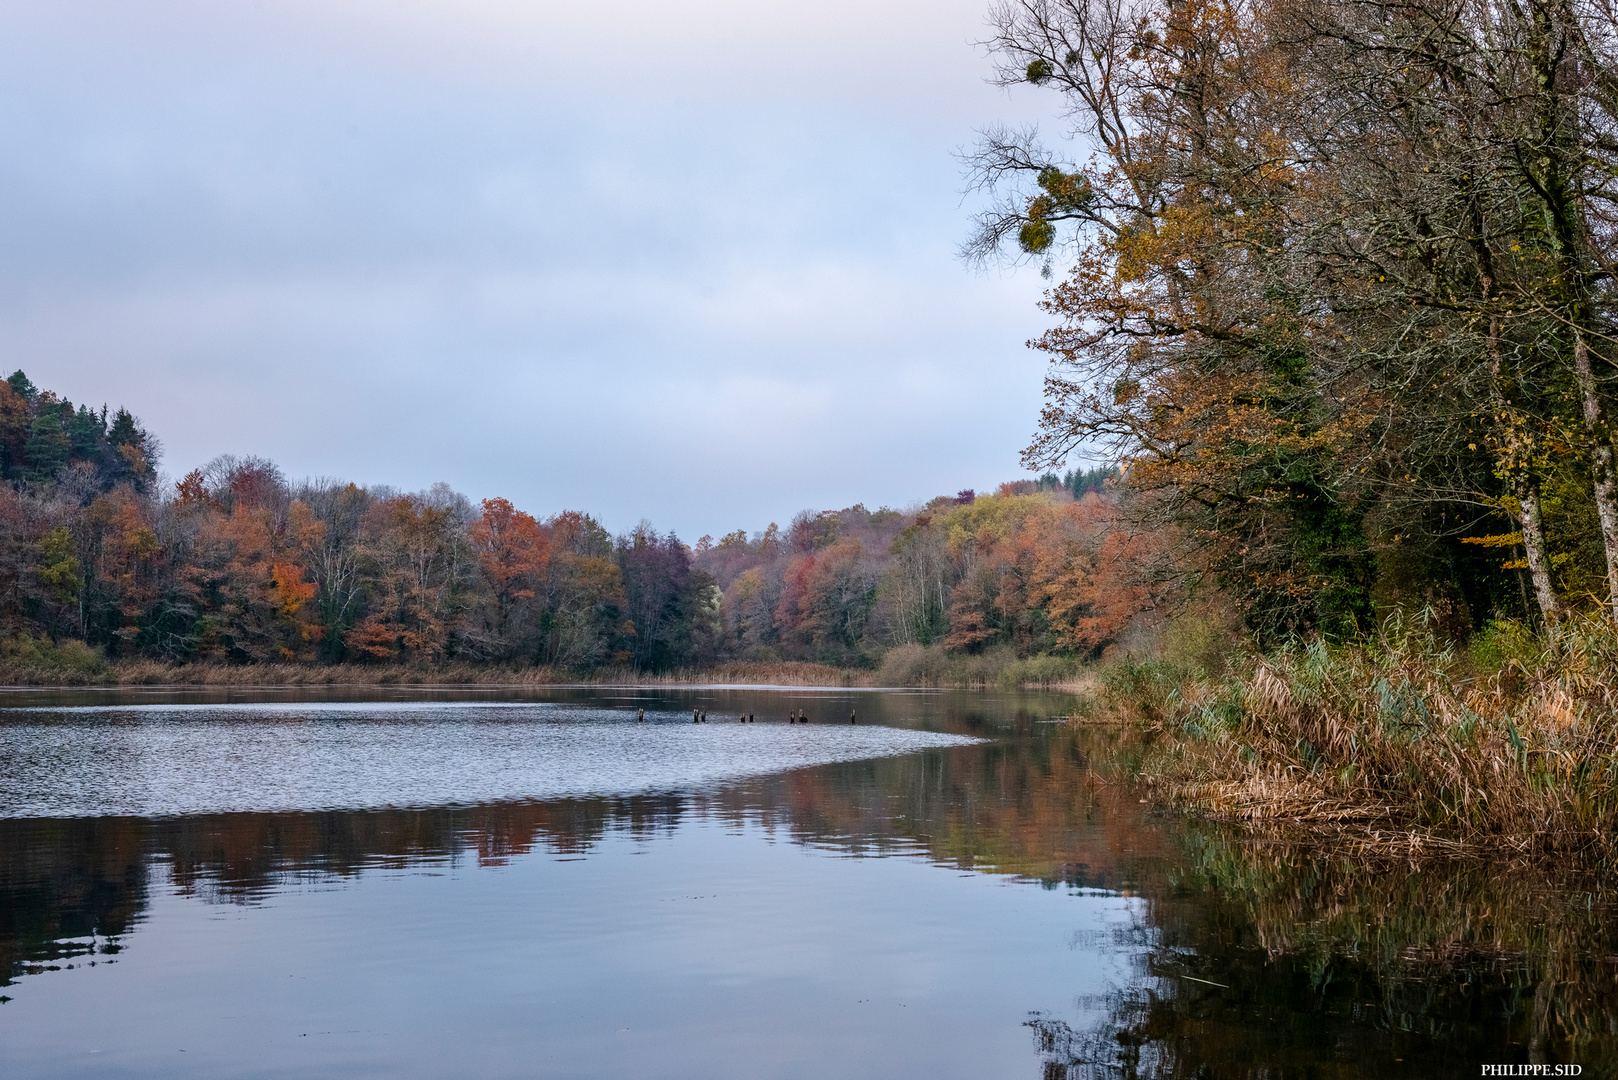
(538, 884)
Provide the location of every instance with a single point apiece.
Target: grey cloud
(708, 310)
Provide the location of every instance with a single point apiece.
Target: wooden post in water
(642, 716)
(852, 715)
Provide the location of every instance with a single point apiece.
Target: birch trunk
(1523, 485)
(1533, 542)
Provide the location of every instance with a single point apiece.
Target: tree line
(1335, 282)
(1029, 568)
(235, 563)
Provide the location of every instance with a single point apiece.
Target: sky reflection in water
(162, 760)
(776, 909)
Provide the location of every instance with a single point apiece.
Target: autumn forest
(1337, 281)
(234, 563)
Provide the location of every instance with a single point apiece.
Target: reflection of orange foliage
(1027, 806)
(1036, 809)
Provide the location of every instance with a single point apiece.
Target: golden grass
(748, 672)
(17, 671)
(1400, 741)
(997, 668)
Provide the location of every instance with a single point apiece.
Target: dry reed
(15, 671)
(1398, 737)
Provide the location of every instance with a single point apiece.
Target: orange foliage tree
(513, 554)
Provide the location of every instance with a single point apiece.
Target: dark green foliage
(1574, 534)
(21, 386)
(1062, 196)
(59, 568)
(46, 451)
(124, 430)
(86, 431)
(671, 604)
(42, 435)
(1082, 482)
(1329, 541)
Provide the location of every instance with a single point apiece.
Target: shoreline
(750, 675)
(1401, 745)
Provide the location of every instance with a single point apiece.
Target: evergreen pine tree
(124, 430)
(19, 383)
(47, 448)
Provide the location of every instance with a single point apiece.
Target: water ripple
(166, 760)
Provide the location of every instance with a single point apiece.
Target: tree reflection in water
(1250, 957)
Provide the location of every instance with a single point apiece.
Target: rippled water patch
(165, 760)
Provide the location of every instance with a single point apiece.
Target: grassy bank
(26, 661)
(30, 662)
(1508, 745)
(997, 668)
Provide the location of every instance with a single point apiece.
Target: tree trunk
(1533, 542)
(1516, 466)
(1601, 460)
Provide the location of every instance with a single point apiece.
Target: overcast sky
(693, 262)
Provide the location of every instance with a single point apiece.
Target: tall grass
(29, 660)
(749, 672)
(933, 665)
(1512, 743)
(26, 661)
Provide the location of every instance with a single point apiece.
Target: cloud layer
(689, 262)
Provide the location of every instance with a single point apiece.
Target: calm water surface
(460, 884)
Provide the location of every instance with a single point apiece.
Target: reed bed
(1510, 746)
(998, 668)
(73, 664)
(30, 661)
(747, 672)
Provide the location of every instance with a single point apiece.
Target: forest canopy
(1334, 282)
